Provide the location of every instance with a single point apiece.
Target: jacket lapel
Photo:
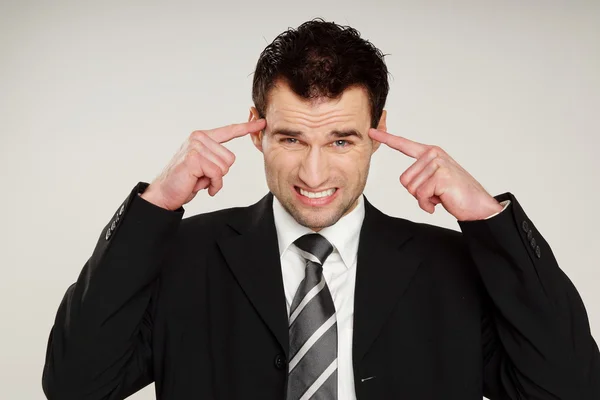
(253, 257)
(387, 260)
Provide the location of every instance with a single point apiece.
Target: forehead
(285, 108)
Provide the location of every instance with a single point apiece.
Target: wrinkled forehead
(288, 110)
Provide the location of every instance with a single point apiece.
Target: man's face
(317, 153)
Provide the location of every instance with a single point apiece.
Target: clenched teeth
(317, 195)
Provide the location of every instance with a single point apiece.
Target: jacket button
(529, 235)
(538, 252)
(279, 361)
(533, 243)
(525, 226)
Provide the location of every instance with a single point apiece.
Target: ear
(256, 136)
(382, 126)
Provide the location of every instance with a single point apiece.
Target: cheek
(355, 160)
(279, 161)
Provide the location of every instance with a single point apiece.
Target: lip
(323, 201)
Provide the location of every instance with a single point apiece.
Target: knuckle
(198, 135)
(191, 163)
(197, 147)
(438, 150)
(191, 156)
(214, 170)
(433, 152)
(231, 158)
(404, 179)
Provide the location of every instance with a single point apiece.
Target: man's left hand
(436, 178)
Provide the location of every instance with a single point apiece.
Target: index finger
(402, 144)
(226, 133)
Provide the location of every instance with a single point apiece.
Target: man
(312, 293)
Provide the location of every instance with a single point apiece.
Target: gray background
(96, 96)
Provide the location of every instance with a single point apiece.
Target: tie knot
(316, 245)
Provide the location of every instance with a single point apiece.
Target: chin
(316, 225)
(316, 219)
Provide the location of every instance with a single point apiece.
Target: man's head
(320, 88)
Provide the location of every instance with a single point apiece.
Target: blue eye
(290, 140)
(341, 143)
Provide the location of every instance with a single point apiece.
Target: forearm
(100, 343)
(543, 336)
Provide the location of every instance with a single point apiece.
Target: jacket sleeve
(100, 344)
(536, 336)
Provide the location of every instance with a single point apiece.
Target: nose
(314, 169)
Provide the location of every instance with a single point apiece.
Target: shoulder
(423, 233)
(211, 225)
(444, 256)
(435, 245)
(214, 225)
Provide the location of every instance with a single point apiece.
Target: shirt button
(279, 361)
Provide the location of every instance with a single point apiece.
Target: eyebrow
(335, 133)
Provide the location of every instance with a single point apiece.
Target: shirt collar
(343, 235)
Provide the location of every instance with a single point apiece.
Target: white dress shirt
(339, 272)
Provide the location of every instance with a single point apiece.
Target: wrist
(494, 208)
(153, 197)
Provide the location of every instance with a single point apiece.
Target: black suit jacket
(197, 306)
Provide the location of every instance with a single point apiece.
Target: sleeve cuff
(141, 209)
(504, 204)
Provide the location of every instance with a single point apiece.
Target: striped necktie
(312, 370)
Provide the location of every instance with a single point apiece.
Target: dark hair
(322, 59)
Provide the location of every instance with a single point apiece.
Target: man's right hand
(200, 163)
